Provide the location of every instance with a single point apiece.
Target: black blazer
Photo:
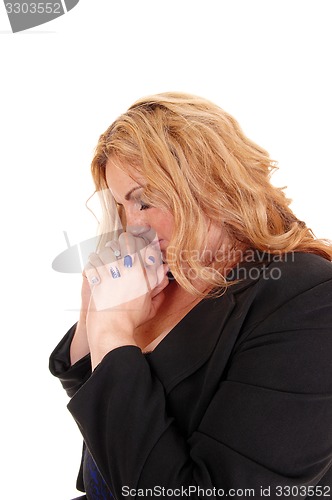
(238, 396)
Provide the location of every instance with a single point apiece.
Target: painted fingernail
(94, 280)
(152, 259)
(128, 261)
(115, 272)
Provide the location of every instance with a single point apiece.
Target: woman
(201, 361)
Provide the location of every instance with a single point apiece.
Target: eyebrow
(128, 195)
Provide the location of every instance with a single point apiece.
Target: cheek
(122, 215)
(160, 221)
(166, 227)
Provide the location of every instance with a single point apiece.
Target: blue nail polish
(152, 259)
(115, 272)
(128, 261)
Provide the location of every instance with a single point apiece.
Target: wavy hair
(198, 164)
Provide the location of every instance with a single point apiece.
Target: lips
(162, 245)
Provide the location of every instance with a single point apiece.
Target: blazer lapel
(212, 325)
(191, 342)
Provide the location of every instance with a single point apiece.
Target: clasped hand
(126, 279)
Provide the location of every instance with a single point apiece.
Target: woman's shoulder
(305, 270)
(293, 282)
(293, 271)
(291, 301)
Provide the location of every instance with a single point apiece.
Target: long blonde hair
(198, 163)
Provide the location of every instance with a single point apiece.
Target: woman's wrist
(106, 331)
(79, 346)
(99, 351)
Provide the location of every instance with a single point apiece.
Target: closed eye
(144, 206)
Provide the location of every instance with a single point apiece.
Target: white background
(266, 62)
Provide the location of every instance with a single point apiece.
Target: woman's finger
(128, 248)
(114, 246)
(91, 274)
(141, 243)
(152, 254)
(102, 267)
(155, 274)
(163, 280)
(107, 257)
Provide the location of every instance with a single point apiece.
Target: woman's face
(142, 219)
(145, 220)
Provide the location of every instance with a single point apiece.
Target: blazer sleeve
(72, 377)
(268, 426)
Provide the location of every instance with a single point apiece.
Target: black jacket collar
(213, 320)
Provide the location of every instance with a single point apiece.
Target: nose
(145, 232)
(137, 230)
(137, 225)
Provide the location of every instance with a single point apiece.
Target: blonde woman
(201, 362)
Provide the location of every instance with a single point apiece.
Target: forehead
(122, 175)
